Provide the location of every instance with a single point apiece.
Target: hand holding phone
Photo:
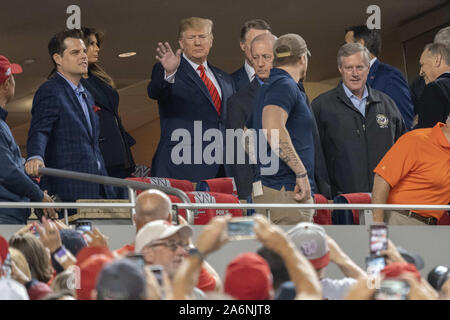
(241, 229)
(83, 226)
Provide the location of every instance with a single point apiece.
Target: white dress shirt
(250, 71)
(209, 74)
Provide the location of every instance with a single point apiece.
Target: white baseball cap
(158, 230)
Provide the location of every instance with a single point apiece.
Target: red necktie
(211, 88)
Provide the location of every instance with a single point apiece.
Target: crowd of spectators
(52, 261)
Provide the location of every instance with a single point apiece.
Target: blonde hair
(194, 23)
(19, 259)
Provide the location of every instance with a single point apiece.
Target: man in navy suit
(192, 96)
(382, 76)
(251, 29)
(64, 129)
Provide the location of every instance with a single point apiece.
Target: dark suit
(434, 103)
(240, 78)
(59, 134)
(390, 80)
(320, 166)
(180, 104)
(240, 106)
(416, 88)
(114, 141)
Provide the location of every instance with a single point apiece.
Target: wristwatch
(194, 252)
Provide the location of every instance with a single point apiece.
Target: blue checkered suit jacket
(59, 134)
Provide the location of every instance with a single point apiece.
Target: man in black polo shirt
(282, 110)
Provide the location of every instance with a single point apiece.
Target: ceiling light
(127, 54)
(29, 61)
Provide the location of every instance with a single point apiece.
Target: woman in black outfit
(114, 141)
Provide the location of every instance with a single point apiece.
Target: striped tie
(211, 88)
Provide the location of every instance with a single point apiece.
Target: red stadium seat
(445, 219)
(322, 216)
(222, 185)
(184, 185)
(203, 216)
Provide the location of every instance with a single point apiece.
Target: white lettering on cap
(8, 72)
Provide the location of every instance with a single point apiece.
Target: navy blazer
(180, 104)
(240, 78)
(59, 134)
(390, 80)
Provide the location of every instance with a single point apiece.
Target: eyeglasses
(358, 69)
(171, 245)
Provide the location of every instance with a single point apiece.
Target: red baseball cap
(248, 277)
(7, 69)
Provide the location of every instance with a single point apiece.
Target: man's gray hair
(443, 36)
(349, 49)
(439, 49)
(264, 37)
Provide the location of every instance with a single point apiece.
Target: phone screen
(375, 264)
(378, 239)
(241, 229)
(84, 226)
(393, 290)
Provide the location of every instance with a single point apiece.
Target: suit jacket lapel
(187, 68)
(92, 116)
(74, 100)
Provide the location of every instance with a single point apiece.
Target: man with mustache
(64, 129)
(357, 124)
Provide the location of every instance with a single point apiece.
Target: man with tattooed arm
(282, 110)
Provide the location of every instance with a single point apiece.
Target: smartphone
(137, 258)
(393, 289)
(83, 226)
(378, 239)
(375, 264)
(157, 270)
(241, 228)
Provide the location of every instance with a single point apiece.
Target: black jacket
(240, 106)
(352, 144)
(114, 141)
(434, 103)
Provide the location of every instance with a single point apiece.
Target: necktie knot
(201, 68)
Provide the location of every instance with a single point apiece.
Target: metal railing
(130, 184)
(365, 215)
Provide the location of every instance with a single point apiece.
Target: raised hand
(169, 60)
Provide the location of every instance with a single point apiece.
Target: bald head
(152, 205)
